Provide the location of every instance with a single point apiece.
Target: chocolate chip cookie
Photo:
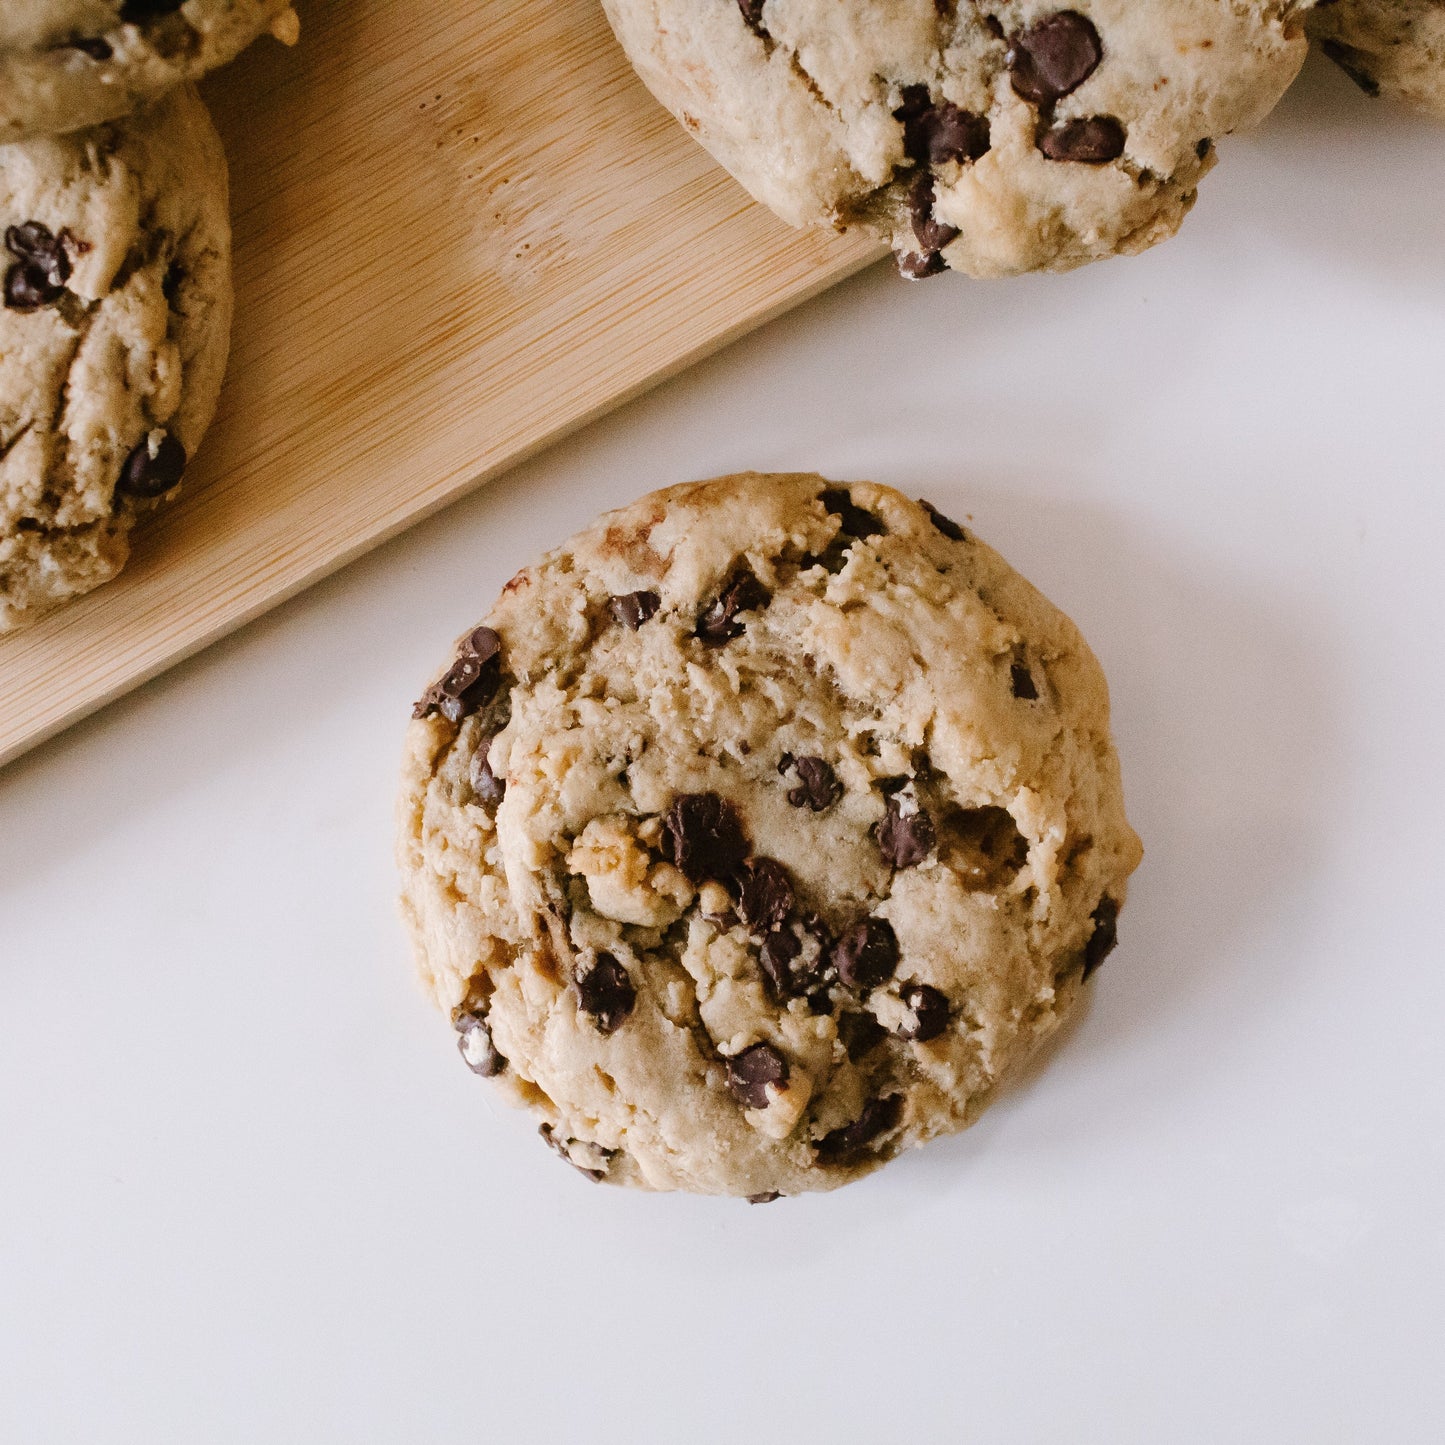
(113, 334)
(1392, 47)
(759, 832)
(65, 64)
(992, 137)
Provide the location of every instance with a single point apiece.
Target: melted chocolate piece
(765, 894)
(844, 1145)
(756, 1074)
(904, 839)
(1054, 57)
(866, 953)
(1104, 937)
(706, 834)
(606, 993)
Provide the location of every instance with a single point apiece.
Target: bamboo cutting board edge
(447, 492)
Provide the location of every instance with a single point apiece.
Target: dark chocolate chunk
(927, 1013)
(93, 46)
(933, 235)
(793, 957)
(488, 787)
(1092, 141)
(474, 1040)
(146, 475)
(818, 786)
(844, 1145)
(753, 14)
(904, 839)
(706, 834)
(936, 132)
(946, 525)
(41, 268)
(482, 643)
(983, 846)
(560, 1147)
(861, 1033)
(856, 520)
(918, 265)
(1352, 62)
(754, 1072)
(606, 993)
(1022, 682)
(767, 1198)
(471, 682)
(866, 953)
(1104, 937)
(635, 608)
(717, 624)
(135, 12)
(765, 894)
(1054, 56)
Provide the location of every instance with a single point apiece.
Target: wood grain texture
(462, 229)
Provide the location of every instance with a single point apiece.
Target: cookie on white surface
(759, 832)
(993, 138)
(114, 329)
(66, 64)
(1391, 47)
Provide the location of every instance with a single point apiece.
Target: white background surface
(248, 1192)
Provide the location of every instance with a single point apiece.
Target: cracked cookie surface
(759, 832)
(113, 334)
(66, 64)
(993, 138)
(1390, 47)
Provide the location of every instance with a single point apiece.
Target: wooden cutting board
(462, 229)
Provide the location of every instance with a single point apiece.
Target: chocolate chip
(753, 15)
(471, 682)
(918, 266)
(818, 786)
(856, 520)
(635, 608)
(135, 12)
(765, 894)
(1054, 56)
(756, 1075)
(474, 1040)
(946, 525)
(1022, 682)
(1092, 141)
(866, 953)
(482, 643)
(1352, 63)
(767, 1198)
(933, 235)
(148, 474)
(793, 957)
(936, 132)
(94, 47)
(860, 1033)
(845, 1144)
(561, 1147)
(904, 839)
(606, 993)
(706, 833)
(927, 1013)
(1104, 937)
(742, 593)
(488, 787)
(983, 846)
(38, 276)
